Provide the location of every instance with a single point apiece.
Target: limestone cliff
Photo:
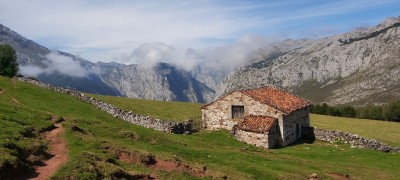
(358, 67)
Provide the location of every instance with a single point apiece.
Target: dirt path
(58, 150)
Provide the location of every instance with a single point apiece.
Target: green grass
(175, 111)
(384, 131)
(93, 149)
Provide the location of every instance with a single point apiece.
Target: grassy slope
(175, 111)
(220, 153)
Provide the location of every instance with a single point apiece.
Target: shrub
(8, 61)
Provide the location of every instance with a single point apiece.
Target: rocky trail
(58, 151)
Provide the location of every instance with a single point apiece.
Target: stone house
(267, 116)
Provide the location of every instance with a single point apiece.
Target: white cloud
(110, 30)
(57, 63)
(64, 65)
(30, 70)
(224, 57)
(148, 54)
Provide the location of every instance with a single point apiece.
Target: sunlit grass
(166, 110)
(384, 131)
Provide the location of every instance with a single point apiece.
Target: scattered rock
(313, 176)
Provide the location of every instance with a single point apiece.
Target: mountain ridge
(362, 72)
(357, 67)
(113, 79)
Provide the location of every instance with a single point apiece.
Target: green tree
(8, 61)
(346, 111)
(392, 111)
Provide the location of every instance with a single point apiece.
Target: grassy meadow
(96, 148)
(166, 110)
(384, 131)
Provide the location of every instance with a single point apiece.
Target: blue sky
(112, 30)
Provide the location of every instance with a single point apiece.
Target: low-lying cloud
(149, 54)
(224, 58)
(57, 63)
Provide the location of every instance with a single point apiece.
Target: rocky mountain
(31, 54)
(162, 82)
(358, 67)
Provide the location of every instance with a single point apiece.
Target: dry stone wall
(354, 140)
(141, 120)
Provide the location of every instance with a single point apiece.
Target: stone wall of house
(141, 120)
(354, 140)
(288, 125)
(218, 115)
(257, 139)
(275, 136)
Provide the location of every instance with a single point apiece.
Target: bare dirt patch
(58, 151)
(157, 164)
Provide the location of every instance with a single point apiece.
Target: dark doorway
(297, 130)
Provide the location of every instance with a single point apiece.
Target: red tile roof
(277, 98)
(257, 124)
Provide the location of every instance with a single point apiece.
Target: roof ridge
(252, 115)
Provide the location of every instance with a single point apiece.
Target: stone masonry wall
(288, 125)
(141, 120)
(354, 140)
(257, 139)
(217, 115)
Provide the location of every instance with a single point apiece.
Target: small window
(237, 112)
